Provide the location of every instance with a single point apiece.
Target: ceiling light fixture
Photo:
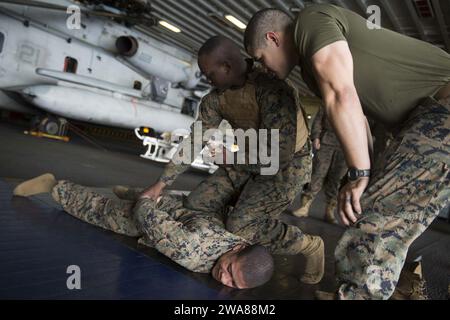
(167, 25)
(238, 23)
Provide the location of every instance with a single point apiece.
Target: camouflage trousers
(194, 240)
(96, 209)
(257, 202)
(122, 216)
(328, 169)
(399, 204)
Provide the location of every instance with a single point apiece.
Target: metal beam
(442, 24)
(174, 19)
(193, 18)
(164, 38)
(341, 4)
(416, 20)
(284, 7)
(238, 7)
(251, 4)
(386, 5)
(222, 7)
(199, 20)
(363, 6)
(265, 4)
(300, 4)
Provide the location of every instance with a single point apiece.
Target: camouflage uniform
(382, 138)
(194, 240)
(399, 204)
(258, 200)
(329, 162)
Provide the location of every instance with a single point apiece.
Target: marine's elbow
(343, 99)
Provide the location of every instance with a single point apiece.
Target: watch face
(352, 174)
(355, 174)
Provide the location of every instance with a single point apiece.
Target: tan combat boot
(38, 185)
(304, 206)
(411, 285)
(330, 212)
(313, 249)
(126, 193)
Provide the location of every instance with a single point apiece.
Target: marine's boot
(411, 285)
(314, 251)
(305, 205)
(41, 184)
(126, 193)
(330, 212)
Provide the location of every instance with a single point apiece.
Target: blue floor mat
(39, 242)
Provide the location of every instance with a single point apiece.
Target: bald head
(264, 21)
(221, 61)
(256, 265)
(219, 48)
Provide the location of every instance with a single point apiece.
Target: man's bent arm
(333, 69)
(210, 118)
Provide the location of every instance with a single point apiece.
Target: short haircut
(256, 264)
(212, 44)
(264, 21)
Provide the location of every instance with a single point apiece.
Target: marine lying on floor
(123, 217)
(194, 240)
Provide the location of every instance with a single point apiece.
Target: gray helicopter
(75, 61)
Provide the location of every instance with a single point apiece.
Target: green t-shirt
(392, 72)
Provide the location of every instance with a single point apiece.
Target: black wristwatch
(354, 174)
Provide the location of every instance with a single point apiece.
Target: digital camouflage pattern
(191, 232)
(258, 200)
(256, 214)
(321, 129)
(271, 94)
(251, 204)
(329, 162)
(95, 208)
(400, 203)
(194, 240)
(328, 169)
(382, 137)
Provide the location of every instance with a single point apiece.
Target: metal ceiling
(428, 20)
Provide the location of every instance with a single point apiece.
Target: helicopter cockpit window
(70, 65)
(2, 40)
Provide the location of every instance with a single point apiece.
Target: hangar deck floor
(38, 241)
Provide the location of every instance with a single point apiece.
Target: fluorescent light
(167, 25)
(238, 23)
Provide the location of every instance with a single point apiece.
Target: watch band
(354, 174)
